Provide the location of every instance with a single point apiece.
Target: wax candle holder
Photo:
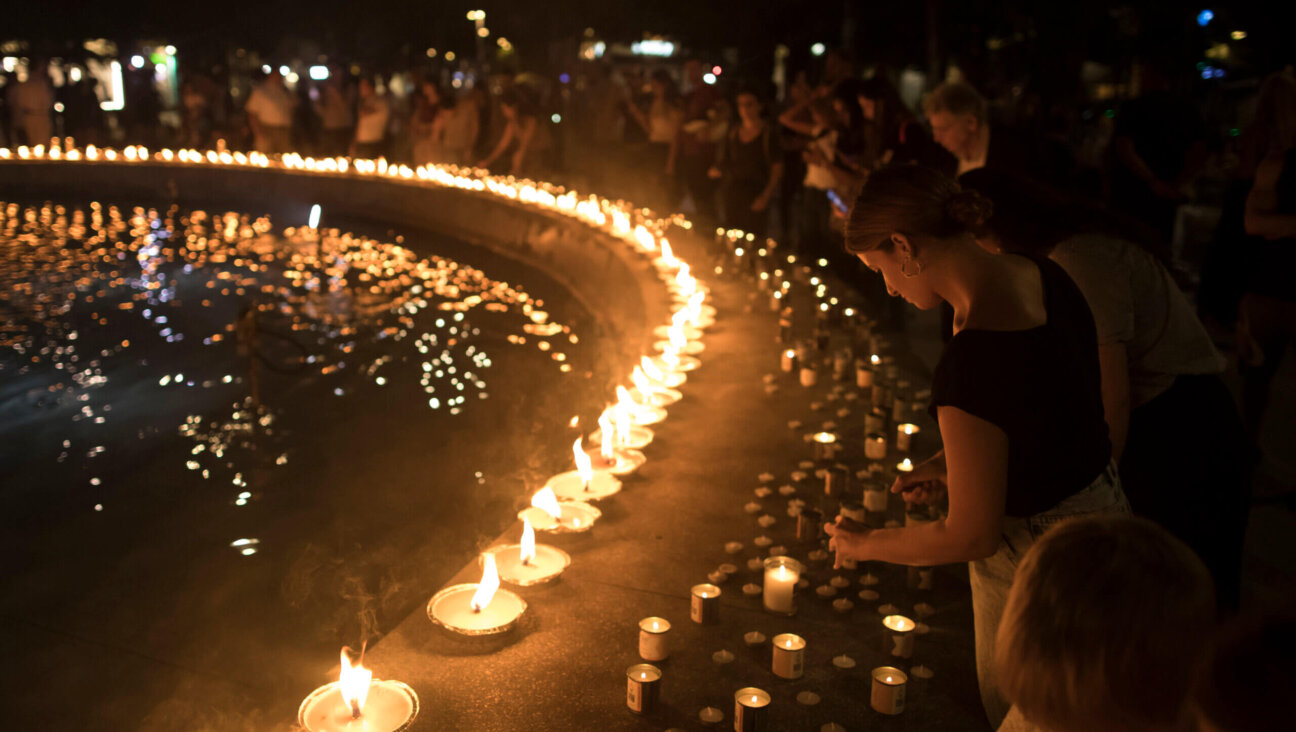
(888, 692)
(705, 605)
(452, 609)
(750, 705)
(389, 706)
(875, 447)
(574, 517)
(898, 636)
(788, 656)
(547, 564)
(653, 633)
(570, 486)
(904, 436)
(643, 688)
(781, 577)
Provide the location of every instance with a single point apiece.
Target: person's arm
(500, 147)
(976, 453)
(1113, 362)
(762, 201)
(526, 133)
(674, 148)
(789, 118)
(636, 113)
(1262, 217)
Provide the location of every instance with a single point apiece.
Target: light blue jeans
(992, 577)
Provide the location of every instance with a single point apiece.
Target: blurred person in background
(461, 130)
(660, 123)
(372, 115)
(428, 124)
(333, 108)
(749, 167)
(31, 102)
(526, 140)
(694, 151)
(270, 114)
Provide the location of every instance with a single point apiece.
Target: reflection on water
(106, 308)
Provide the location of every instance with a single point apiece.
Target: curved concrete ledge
(620, 289)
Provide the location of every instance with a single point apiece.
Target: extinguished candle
(643, 687)
(875, 446)
(652, 639)
(781, 576)
(888, 693)
(904, 436)
(749, 709)
(809, 377)
(789, 656)
(875, 498)
(863, 376)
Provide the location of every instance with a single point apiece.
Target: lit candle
(905, 466)
(781, 576)
(789, 656)
(904, 436)
(899, 636)
(480, 609)
(788, 362)
(643, 687)
(749, 709)
(824, 444)
(705, 607)
(652, 639)
(875, 446)
(888, 694)
(357, 701)
(529, 563)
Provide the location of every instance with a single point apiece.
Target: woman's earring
(904, 268)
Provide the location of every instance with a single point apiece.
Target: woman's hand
(847, 540)
(925, 484)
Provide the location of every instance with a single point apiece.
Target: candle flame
(677, 339)
(651, 369)
(546, 501)
(528, 541)
(667, 254)
(583, 464)
(695, 307)
(486, 588)
(671, 358)
(906, 465)
(621, 413)
(606, 449)
(641, 382)
(354, 681)
(875, 359)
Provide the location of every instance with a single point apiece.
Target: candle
(529, 563)
(875, 422)
(888, 694)
(781, 575)
(841, 365)
(357, 698)
(904, 436)
(899, 408)
(835, 479)
(547, 513)
(480, 609)
(863, 376)
(853, 511)
(905, 466)
(652, 639)
(880, 397)
(875, 499)
(789, 656)
(809, 524)
(788, 361)
(898, 636)
(809, 377)
(705, 608)
(643, 687)
(875, 446)
(749, 709)
(824, 444)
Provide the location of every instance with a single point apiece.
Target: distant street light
(818, 49)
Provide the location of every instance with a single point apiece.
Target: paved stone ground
(563, 667)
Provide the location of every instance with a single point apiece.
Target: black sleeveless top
(1043, 388)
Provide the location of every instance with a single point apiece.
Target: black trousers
(1186, 466)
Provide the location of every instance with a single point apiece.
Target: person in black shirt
(749, 169)
(1016, 395)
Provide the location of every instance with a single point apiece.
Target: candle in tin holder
(749, 709)
(863, 375)
(824, 445)
(781, 575)
(809, 377)
(789, 656)
(875, 499)
(652, 639)
(904, 436)
(643, 687)
(705, 607)
(898, 636)
(875, 446)
(875, 422)
(835, 480)
(888, 693)
(809, 524)
(881, 396)
(854, 511)
(899, 408)
(788, 361)
(905, 466)
(358, 701)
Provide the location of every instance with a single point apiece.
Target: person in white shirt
(270, 109)
(371, 122)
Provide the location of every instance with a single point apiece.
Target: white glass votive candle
(643, 687)
(749, 709)
(789, 656)
(781, 576)
(899, 636)
(705, 607)
(875, 446)
(652, 639)
(904, 436)
(888, 693)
